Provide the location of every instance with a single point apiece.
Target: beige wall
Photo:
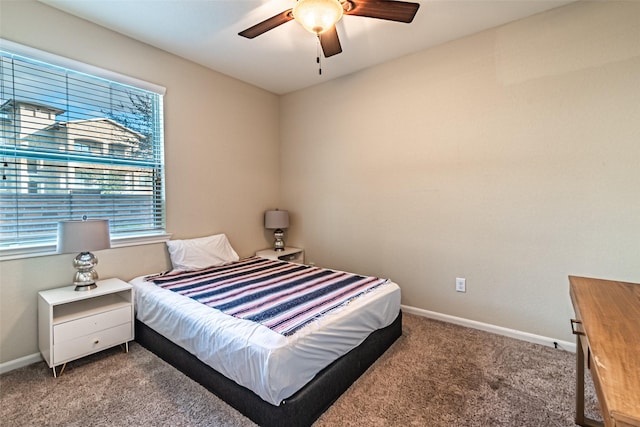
(510, 158)
(221, 149)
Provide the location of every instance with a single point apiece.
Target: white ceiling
(284, 59)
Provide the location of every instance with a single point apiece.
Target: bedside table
(73, 324)
(288, 254)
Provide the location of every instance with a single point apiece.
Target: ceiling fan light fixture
(317, 16)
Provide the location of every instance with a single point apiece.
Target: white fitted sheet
(271, 365)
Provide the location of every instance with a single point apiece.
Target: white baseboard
(19, 363)
(524, 336)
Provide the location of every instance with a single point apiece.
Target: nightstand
(288, 254)
(73, 324)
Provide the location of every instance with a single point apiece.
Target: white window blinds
(75, 145)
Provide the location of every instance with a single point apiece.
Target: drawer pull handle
(96, 341)
(573, 328)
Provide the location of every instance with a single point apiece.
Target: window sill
(50, 249)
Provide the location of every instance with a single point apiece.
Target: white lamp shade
(276, 219)
(83, 236)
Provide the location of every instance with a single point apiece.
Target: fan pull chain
(318, 56)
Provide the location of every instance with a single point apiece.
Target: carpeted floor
(436, 374)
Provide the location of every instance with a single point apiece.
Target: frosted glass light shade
(317, 16)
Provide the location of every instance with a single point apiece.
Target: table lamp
(277, 220)
(84, 236)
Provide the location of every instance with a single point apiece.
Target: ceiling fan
(320, 17)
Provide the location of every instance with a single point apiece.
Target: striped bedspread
(280, 295)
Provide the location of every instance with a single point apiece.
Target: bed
(218, 325)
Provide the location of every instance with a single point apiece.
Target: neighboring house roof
(107, 120)
(13, 103)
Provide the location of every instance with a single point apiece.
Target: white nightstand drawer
(88, 344)
(87, 325)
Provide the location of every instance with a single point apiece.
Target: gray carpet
(436, 374)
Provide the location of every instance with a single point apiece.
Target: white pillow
(192, 254)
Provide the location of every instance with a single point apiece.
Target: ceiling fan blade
(268, 24)
(399, 11)
(330, 42)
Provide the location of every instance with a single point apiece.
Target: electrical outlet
(461, 284)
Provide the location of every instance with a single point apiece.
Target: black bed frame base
(303, 407)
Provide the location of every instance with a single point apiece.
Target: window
(74, 143)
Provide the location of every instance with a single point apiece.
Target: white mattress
(271, 365)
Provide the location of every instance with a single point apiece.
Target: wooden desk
(607, 328)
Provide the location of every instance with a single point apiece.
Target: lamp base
(85, 277)
(278, 245)
(85, 287)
